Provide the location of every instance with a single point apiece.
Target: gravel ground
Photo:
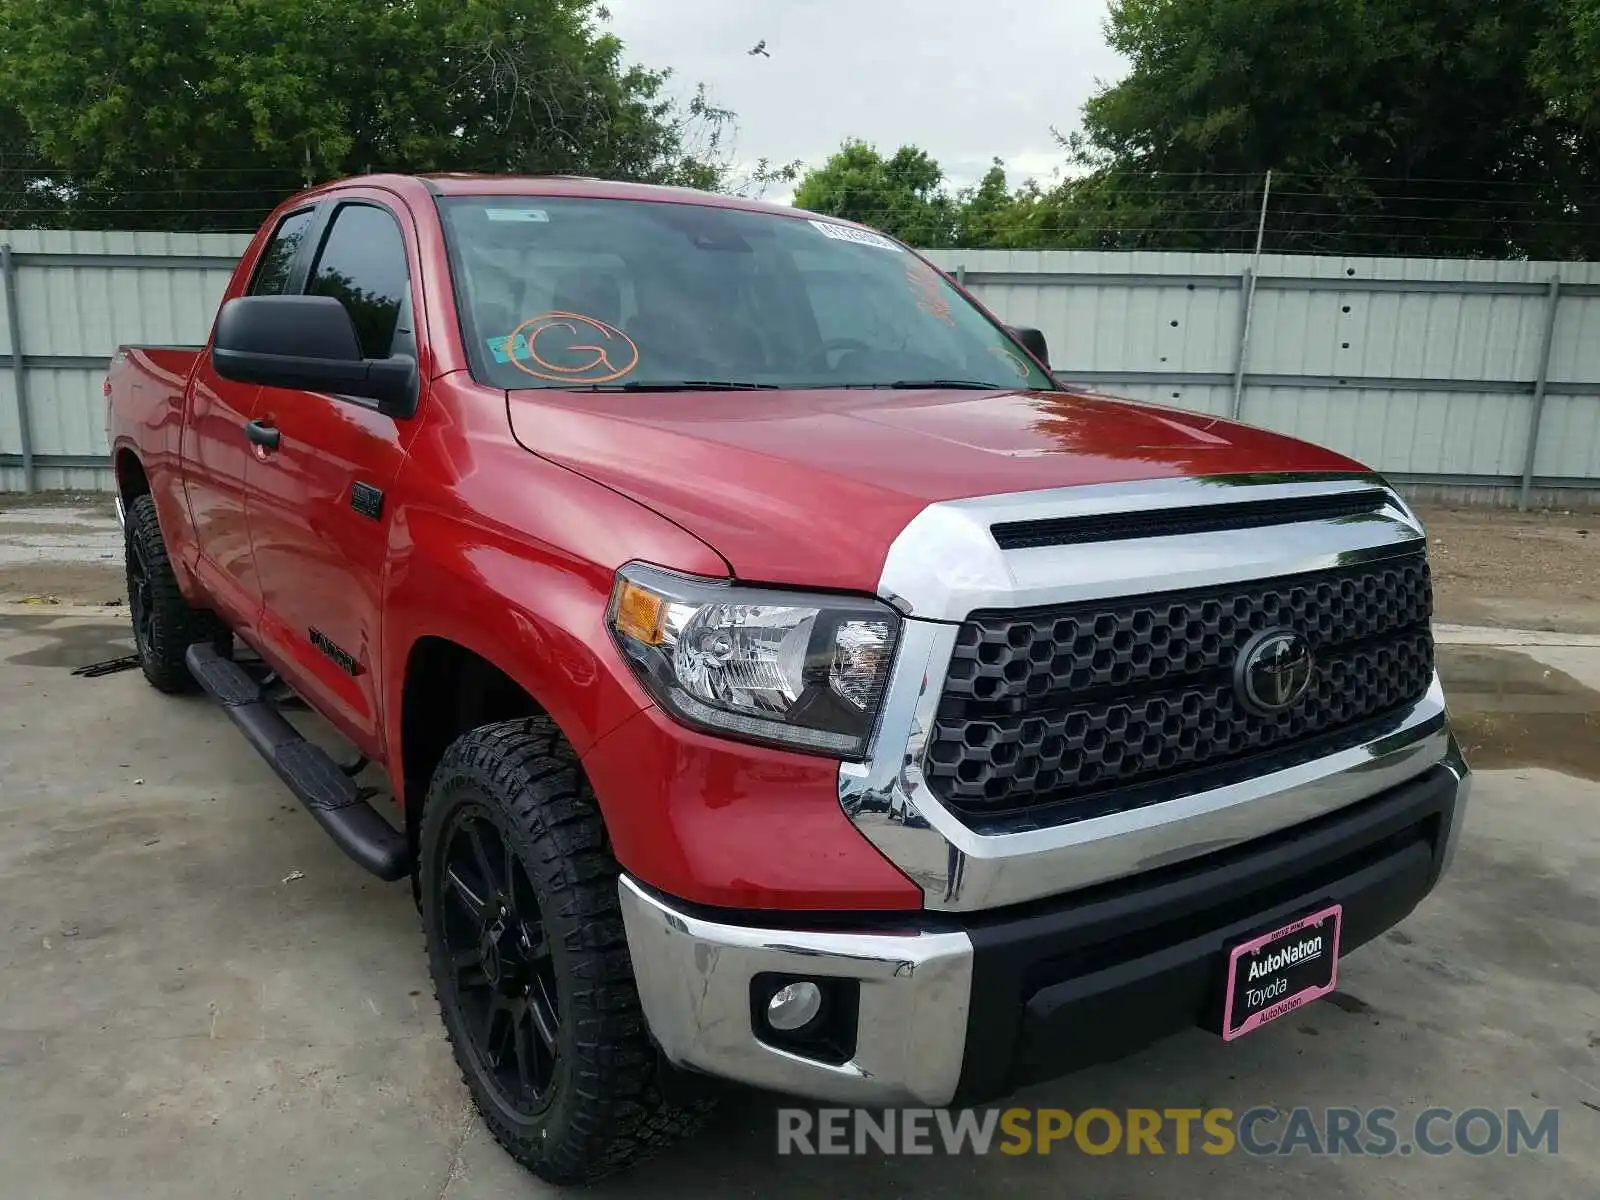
(1537, 570)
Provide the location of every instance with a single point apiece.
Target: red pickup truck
(780, 675)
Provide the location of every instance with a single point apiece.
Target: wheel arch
(131, 479)
(452, 684)
(448, 689)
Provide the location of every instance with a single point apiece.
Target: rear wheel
(529, 960)
(164, 626)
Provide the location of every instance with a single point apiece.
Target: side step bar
(313, 776)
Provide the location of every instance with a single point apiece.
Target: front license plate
(1279, 971)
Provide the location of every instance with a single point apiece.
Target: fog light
(793, 1006)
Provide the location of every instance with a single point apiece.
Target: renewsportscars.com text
(1260, 1131)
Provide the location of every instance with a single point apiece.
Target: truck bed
(167, 365)
(144, 390)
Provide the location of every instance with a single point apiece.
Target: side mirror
(1032, 341)
(309, 343)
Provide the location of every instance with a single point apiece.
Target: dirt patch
(63, 583)
(1515, 570)
(1510, 710)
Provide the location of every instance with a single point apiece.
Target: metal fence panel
(58, 479)
(1411, 432)
(79, 294)
(80, 311)
(1575, 356)
(66, 409)
(1569, 436)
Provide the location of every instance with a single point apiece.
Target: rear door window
(277, 260)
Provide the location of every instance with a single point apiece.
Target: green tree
(16, 149)
(1567, 62)
(984, 215)
(205, 113)
(1407, 126)
(903, 195)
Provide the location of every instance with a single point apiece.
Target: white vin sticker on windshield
(861, 237)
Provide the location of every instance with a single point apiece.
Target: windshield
(558, 292)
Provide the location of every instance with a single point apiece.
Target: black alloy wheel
(502, 968)
(141, 598)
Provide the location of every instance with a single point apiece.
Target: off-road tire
(604, 1109)
(164, 625)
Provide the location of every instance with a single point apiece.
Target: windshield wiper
(674, 385)
(976, 385)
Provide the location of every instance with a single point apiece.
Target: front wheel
(529, 960)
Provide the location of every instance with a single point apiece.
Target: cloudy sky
(965, 81)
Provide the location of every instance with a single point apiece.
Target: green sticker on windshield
(497, 347)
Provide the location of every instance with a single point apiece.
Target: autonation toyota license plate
(1279, 971)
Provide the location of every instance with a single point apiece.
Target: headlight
(802, 671)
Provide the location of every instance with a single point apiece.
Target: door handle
(261, 435)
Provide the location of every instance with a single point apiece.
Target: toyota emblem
(1273, 672)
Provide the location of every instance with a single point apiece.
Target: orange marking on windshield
(615, 353)
(931, 295)
(1014, 361)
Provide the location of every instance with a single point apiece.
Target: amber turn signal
(640, 613)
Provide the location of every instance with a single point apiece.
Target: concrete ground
(200, 997)
(60, 548)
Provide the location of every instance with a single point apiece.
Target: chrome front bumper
(917, 988)
(695, 976)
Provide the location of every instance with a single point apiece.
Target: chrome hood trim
(945, 564)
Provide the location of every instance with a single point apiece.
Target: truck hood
(810, 487)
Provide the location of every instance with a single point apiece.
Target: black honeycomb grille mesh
(1091, 702)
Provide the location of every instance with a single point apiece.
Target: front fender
(540, 622)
